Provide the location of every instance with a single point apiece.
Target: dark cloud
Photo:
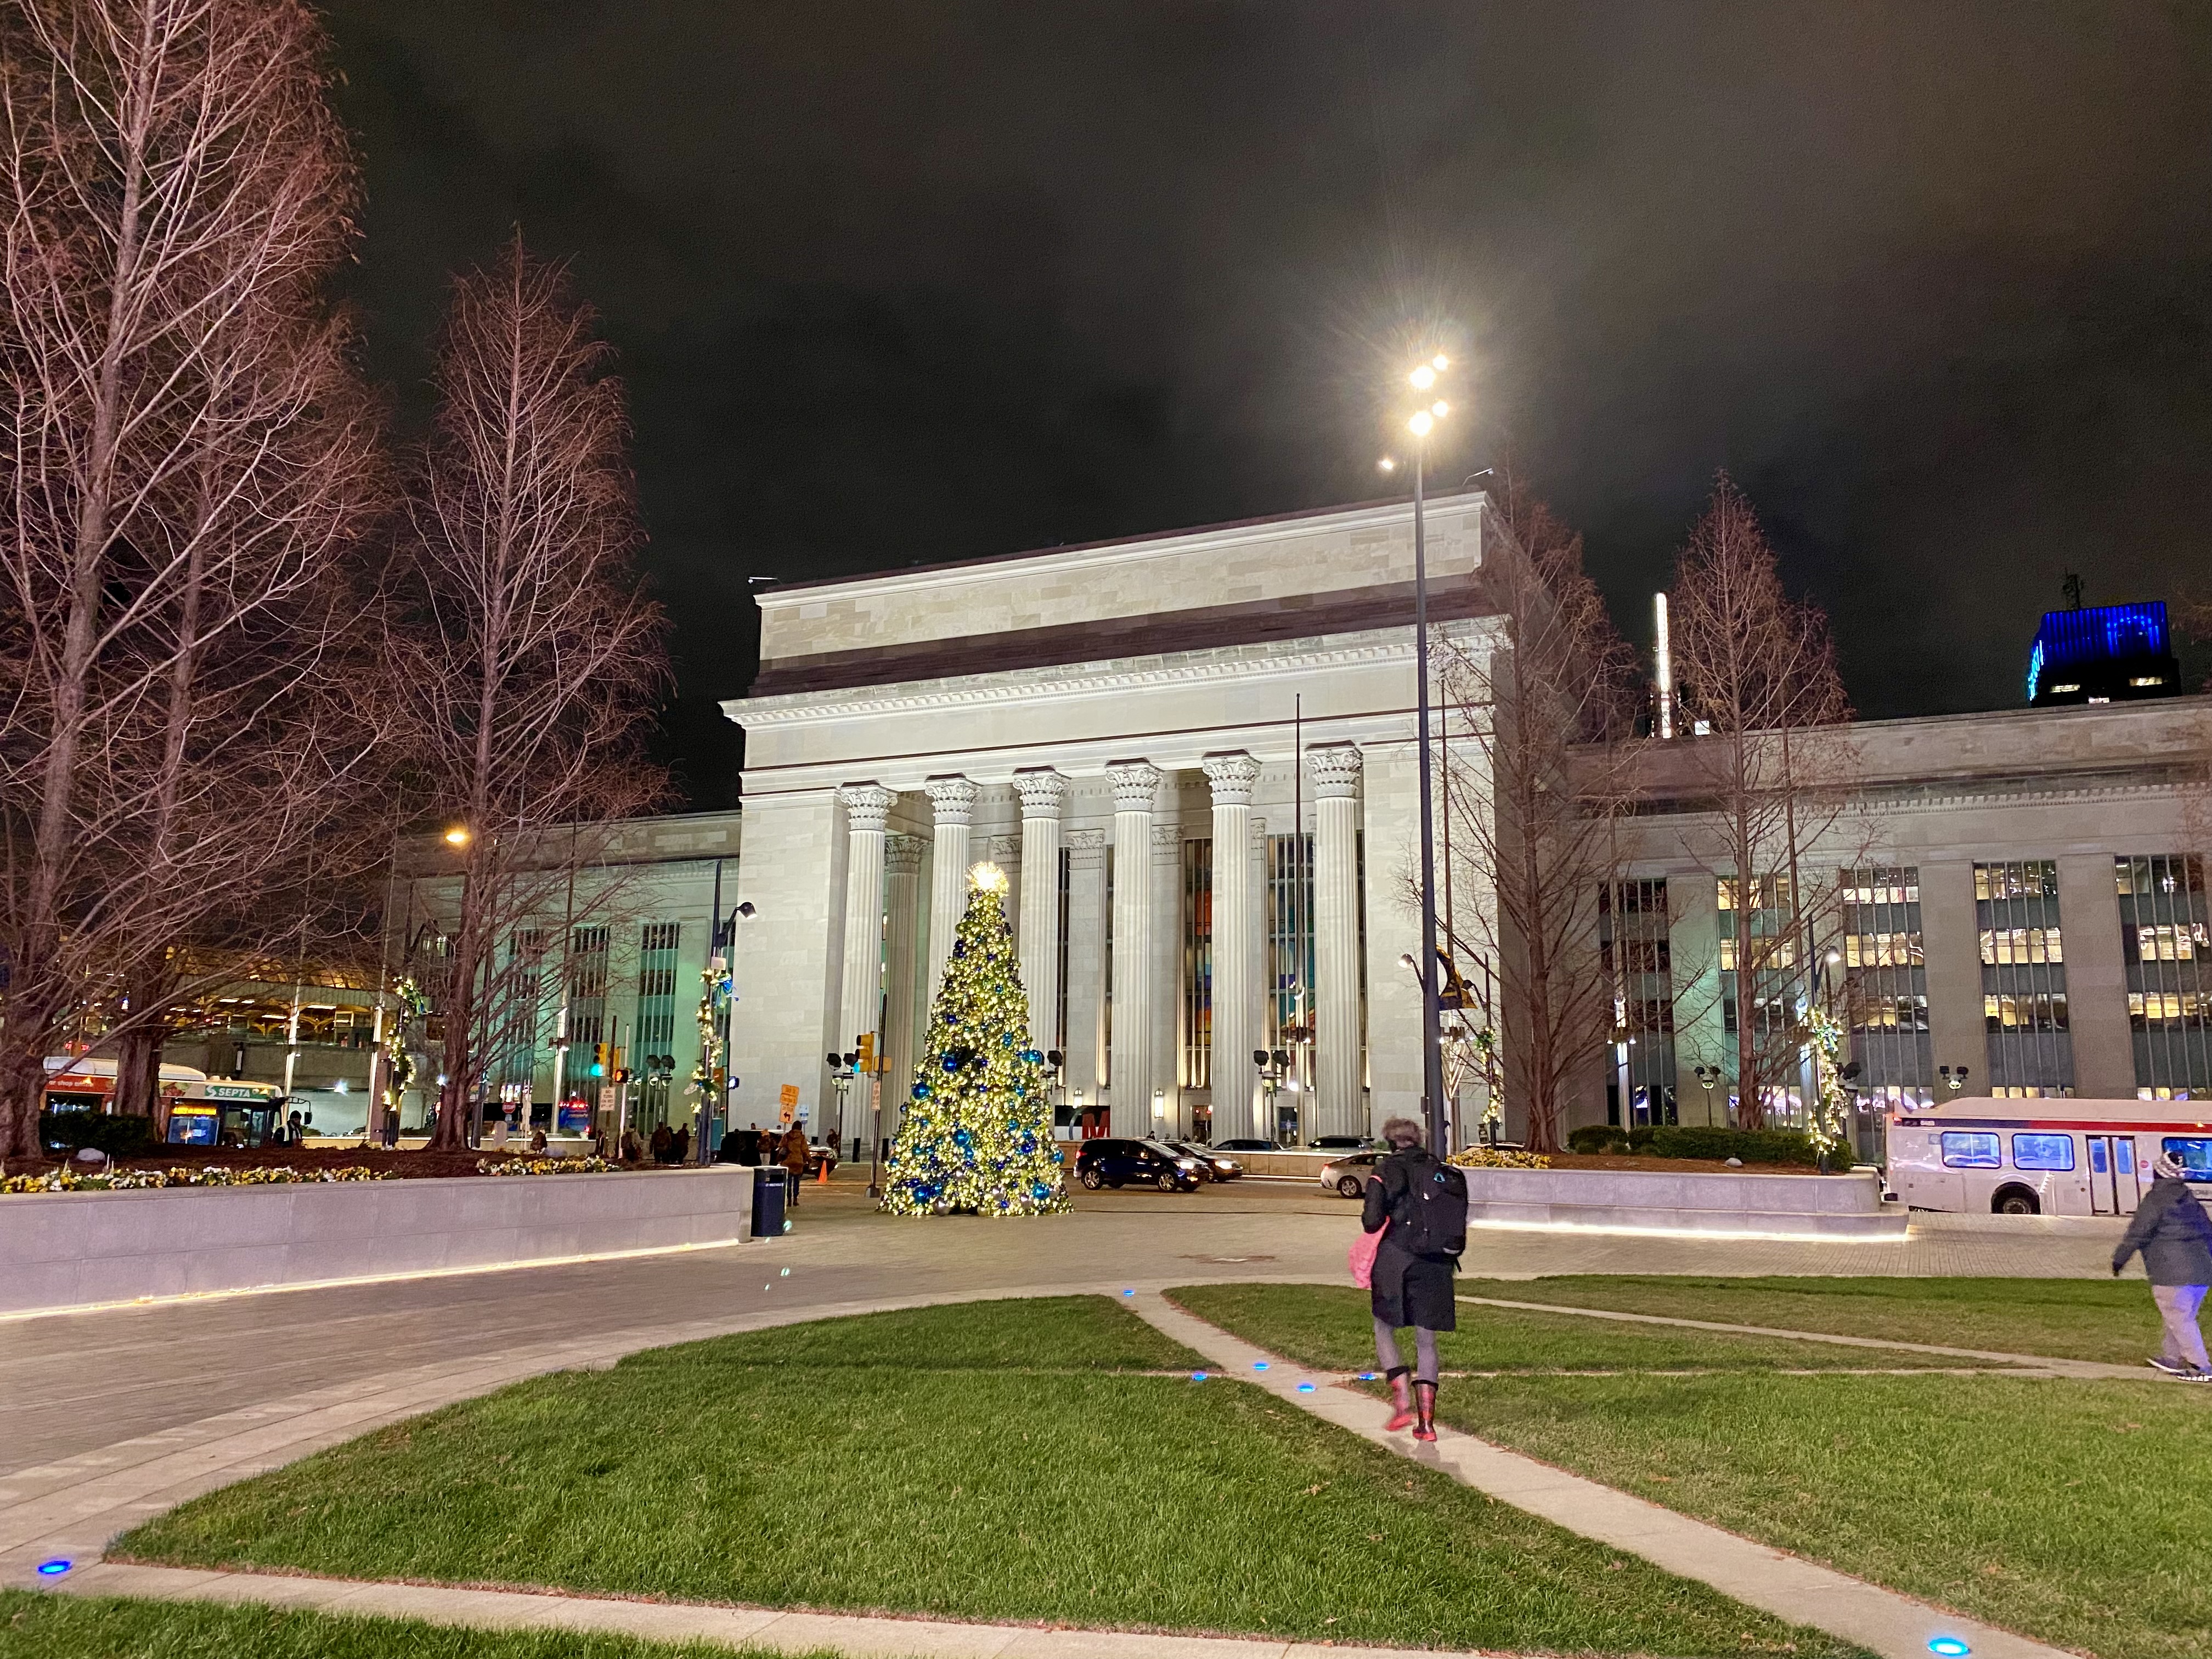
(897, 283)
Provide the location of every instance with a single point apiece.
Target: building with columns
(1192, 754)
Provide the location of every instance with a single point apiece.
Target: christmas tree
(976, 1137)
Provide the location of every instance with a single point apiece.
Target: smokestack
(1664, 661)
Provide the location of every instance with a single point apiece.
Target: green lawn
(2072, 1511)
(46, 1626)
(2104, 1319)
(1328, 1327)
(722, 1471)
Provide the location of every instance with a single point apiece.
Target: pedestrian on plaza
(2175, 1236)
(1420, 1206)
(679, 1146)
(631, 1152)
(538, 1140)
(794, 1163)
(662, 1140)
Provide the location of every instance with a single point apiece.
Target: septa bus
(2052, 1155)
(85, 1083)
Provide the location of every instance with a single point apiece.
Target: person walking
(1422, 1204)
(794, 1163)
(2175, 1236)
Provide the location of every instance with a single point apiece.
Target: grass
(34, 1625)
(727, 1471)
(2101, 1319)
(1329, 1327)
(2069, 1510)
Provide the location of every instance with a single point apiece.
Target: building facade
(1192, 754)
(2016, 896)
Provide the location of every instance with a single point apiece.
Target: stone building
(1194, 755)
(2017, 895)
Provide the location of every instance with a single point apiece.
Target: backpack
(1431, 1218)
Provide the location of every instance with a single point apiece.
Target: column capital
(1233, 777)
(952, 798)
(1134, 783)
(1089, 845)
(1335, 771)
(902, 854)
(866, 805)
(1042, 790)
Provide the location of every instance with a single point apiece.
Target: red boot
(1401, 1399)
(1424, 1403)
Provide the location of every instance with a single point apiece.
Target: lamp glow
(1440, 362)
(1423, 378)
(457, 836)
(1419, 425)
(986, 877)
(1386, 465)
(1440, 408)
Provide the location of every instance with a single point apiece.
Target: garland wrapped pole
(976, 1135)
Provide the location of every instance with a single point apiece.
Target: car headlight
(1186, 1163)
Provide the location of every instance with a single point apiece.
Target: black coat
(1407, 1289)
(2174, 1233)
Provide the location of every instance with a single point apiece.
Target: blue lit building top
(2103, 654)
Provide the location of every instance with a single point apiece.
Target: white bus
(2047, 1157)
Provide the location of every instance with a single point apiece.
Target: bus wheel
(2014, 1200)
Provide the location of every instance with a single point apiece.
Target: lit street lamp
(1419, 425)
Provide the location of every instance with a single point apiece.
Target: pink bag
(1362, 1257)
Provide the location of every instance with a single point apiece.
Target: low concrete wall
(1786, 1205)
(78, 1249)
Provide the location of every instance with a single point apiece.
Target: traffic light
(867, 1056)
(598, 1059)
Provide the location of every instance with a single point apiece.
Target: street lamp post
(1423, 421)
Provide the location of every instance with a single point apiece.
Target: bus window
(2043, 1152)
(2193, 1153)
(1970, 1149)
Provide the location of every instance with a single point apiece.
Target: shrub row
(1695, 1140)
(119, 1136)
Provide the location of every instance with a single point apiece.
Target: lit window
(2193, 1153)
(2147, 679)
(1970, 1149)
(2043, 1152)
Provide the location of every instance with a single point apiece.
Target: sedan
(1348, 1175)
(1245, 1144)
(1211, 1165)
(1341, 1142)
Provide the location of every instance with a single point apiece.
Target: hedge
(1695, 1140)
(121, 1136)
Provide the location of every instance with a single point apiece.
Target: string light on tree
(976, 1135)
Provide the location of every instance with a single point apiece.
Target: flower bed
(538, 1166)
(127, 1181)
(1491, 1158)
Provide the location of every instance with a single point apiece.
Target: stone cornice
(1283, 658)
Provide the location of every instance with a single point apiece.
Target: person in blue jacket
(2174, 1235)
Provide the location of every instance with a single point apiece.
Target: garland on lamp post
(398, 1058)
(1829, 1121)
(715, 986)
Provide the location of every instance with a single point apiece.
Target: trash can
(767, 1202)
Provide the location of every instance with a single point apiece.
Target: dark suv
(1110, 1163)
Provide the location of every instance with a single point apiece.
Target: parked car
(817, 1157)
(1341, 1142)
(1111, 1163)
(1213, 1164)
(1348, 1175)
(1246, 1143)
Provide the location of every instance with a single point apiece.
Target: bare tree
(1536, 774)
(189, 460)
(1768, 754)
(531, 652)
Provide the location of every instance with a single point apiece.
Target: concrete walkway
(2031, 1366)
(756, 1628)
(1774, 1581)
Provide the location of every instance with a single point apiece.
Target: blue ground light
(1369, 1377)
(1128, 1293)
(1259, 1365)
(1198, 1376)
(1948, 1647)
(55, 1568)
(1305, 1388)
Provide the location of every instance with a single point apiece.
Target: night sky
(898, 283)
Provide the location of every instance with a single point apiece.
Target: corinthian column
(1236, 924)
(901, 909)
(861, 1007)
(1335, 774)
(1042, 794)
(1135, 784)
(953, 801)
